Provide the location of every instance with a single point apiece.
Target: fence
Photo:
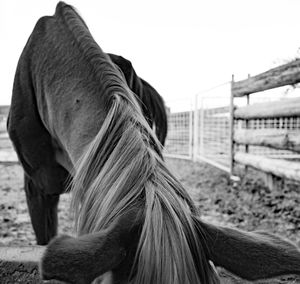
(211, 128)
(201, 132)
(272, 127)
(179, 142)
(222, 127)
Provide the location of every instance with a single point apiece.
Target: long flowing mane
(119, 168)
(123, 167)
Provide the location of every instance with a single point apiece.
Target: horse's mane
(100, 62)
(120, 168)
(152, 104)
(123, 167)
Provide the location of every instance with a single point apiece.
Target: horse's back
(56, 88)
(26, 127)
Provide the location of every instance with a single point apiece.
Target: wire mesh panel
(214, 139)
(179, 139)
(202, 131)
(211, 130)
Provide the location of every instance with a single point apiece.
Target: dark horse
(73, 114)
(153, 109)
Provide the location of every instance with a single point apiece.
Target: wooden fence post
(231, 128)
(247, 126)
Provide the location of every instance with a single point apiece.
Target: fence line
(223, 135)
(287, 74)
(282, 134)
(179, 142)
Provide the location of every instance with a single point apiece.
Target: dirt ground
(15, 226)
(248, 205)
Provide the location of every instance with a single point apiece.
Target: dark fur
(151, 102)
(250, 255)
(45, 177)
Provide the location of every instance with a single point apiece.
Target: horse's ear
(81, 260)
(250, 255)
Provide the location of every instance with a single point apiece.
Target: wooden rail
(283, 108)
(20, 264)
(277, 167)
(287, 74)
(275, 138)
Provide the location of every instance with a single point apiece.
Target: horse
(153, 108)
(152, 104)
(74, 114)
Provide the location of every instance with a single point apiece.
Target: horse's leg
(42, 189)
(43, 211)
(44, 177)
(251, 255)
(83, 259)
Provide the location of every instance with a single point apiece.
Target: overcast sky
(180, 47)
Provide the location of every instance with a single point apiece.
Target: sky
(180, 47)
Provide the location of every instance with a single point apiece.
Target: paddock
(248, 205)
(148, 231)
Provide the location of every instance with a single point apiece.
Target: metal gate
(199, 130)
(211, 128)
(179, 142)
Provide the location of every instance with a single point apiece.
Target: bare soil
(248, 205)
